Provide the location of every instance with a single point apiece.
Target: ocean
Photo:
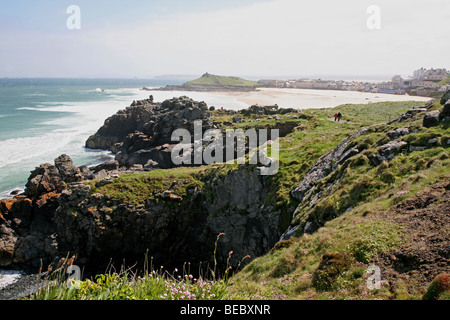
(40, 119)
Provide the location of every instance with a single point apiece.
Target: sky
(253, 38)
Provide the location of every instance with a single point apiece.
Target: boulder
(237, 119)
(48, 178)
(445, 112)
(43, 179)
(68, 172)
(397, 133)
(431, 119)
(388, 151)
(104, 181)
(445, 97)
(107, 166)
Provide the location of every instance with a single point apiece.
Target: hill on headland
(211, 82)
(215, 80)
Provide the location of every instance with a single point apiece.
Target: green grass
(137, 188)
(292, 270)
(444, 82)
(153, 284)
(128, 284)
(214, 80)
(357, 235)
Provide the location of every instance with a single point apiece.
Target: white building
(431, 74)
(425, 84)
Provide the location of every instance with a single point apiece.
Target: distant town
(423, 82)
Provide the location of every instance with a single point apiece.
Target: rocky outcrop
(26, 225)
(326, 164)
(143, 131)
(59, 215)
(118, 126)
(388, 151)
(433, 118)
(141, 135)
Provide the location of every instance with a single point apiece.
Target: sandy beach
(313, 99)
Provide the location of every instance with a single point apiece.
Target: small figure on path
(335, 116)
(339, 116)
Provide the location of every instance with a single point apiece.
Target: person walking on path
(335, 116)
(339, 116)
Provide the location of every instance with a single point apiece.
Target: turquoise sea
(41, 119)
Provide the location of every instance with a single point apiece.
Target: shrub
(439, 286)
(330, 267)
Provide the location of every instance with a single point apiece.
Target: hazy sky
(146, 38)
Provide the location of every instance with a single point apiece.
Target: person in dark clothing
(339, 116)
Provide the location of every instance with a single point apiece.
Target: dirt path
(426, 251)
(342, 121)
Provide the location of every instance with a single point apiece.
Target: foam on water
(8, 277)
(63, 126)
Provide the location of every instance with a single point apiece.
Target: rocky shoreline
(22, 286)
(63, 209)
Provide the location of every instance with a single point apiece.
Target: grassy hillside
(214, 80)
(394, 215)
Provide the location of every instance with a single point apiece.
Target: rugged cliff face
(62, 214)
